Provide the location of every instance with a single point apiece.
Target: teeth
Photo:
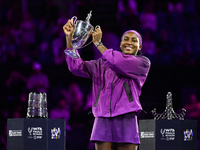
(129, 48)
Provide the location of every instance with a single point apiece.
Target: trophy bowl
(83, 30)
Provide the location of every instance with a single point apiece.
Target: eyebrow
(131, 37)
(134, 38)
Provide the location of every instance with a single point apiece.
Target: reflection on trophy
(83, 30)
(37, 105)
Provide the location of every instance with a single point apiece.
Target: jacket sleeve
(127, 65)
(81, 68)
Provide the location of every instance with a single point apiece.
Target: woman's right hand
(68, 28)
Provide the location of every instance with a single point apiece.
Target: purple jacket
(117, 80)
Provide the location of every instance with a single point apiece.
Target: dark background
(174, 62)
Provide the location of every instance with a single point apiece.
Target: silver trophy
(37, 105)
(83, 30)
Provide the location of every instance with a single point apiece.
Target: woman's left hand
(97, 35)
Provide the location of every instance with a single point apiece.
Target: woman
(117, 81)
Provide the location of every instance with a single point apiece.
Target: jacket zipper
(111, 95)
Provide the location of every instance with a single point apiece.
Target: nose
(129, 43)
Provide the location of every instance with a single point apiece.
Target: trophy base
(71, 53)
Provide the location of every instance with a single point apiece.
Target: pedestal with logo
(33, 133)
(168, 134)
(168, 130)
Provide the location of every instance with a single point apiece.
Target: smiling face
(130, 44)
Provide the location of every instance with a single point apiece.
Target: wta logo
(167, 134)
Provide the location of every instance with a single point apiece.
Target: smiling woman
(117, 81)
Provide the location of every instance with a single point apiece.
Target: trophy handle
(98, 26)
(91, 33)
(74, 19)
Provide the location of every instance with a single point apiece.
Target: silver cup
(37, 105)
(83, 30)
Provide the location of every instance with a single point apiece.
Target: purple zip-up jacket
(117, 80)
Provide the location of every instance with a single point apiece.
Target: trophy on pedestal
(83, 30)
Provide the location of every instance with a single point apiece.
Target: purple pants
(119, 129)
